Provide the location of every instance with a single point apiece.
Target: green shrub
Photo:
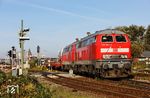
(29, 87)
(33, 63)
(139, 65)
(2, 77)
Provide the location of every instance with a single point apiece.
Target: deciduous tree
(147, 39)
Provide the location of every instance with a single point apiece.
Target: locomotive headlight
(124, 56)
(106, 56)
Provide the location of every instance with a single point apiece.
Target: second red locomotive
(105, 53)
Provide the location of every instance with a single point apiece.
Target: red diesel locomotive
(105, 53)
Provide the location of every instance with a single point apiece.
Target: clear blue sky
(56, 23)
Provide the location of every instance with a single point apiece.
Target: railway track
(100, 88)
(142, 74)
(136, 84)
(126, 83)
(121, 89)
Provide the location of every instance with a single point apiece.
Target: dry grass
(59, 91)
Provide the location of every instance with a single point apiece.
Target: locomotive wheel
(97, 73)
(117, 73)
(62, 68)
(104, 73)
(75, 69)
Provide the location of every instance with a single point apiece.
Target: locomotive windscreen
(107, 39)
(120, 38)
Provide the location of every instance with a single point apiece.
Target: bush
(2, 77)
(29, 87)
(139, 65)
(33, 62)
(137, 49)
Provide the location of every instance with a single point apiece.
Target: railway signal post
(38, 55)
(14, 63)
(22, 38)
(10, 55)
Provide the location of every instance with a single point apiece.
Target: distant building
(29, 54)
(145, 57)
(5, 61)
(146, 54)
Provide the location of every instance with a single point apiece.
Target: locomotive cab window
(92, 40)
(120, 38)
(107, 38)
(78, 45)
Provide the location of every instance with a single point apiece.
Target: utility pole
(22, 38)
(22, 45)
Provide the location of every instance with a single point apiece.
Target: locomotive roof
(109, 31)
(106, 31)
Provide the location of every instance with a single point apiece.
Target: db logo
(12, 89)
